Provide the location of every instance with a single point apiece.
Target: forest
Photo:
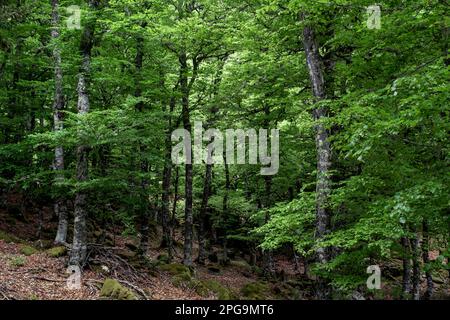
(224, 149)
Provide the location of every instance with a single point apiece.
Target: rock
(112, 289)
(175, 268)
(255, 290)
(214, 269)
(56, 252)
(43, 244)
(222, 292)
(242, 265)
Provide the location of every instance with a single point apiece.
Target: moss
(183, 278)
(163, 259)
(222, 292)
(56, 252)
(255, 290)
(27, 250)
(112, 289)
(175, 269)
(285, 291)
(17, 261)
(241, 265)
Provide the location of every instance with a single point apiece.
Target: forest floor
(28, 270)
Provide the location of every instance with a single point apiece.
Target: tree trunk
(202, 216)
(416, 267)
(143, 163)
(79, 246)
(225, 209)
(425, 251)
(167, 175)
(173, 221)
(208, 168)
(60, 208)
(188, 218)
(323, 149)
(406, 281)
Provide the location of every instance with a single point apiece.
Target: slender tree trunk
(188, 218)
(323, 149)
(175, 200)
(59, 206)
(79, 246)
(425, 252)
(143, 163)
(225, 209)
(416, 267)
(202, 216)
(406, 281)
(167, 175)
(208, 168)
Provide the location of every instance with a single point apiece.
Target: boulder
(112, 289)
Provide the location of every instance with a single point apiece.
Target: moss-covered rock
(56, 252)
(183, 279)
(175, 268)
(27, 250)
(222, 292)
(255, 290)
(242, 265)
(112, 289)
(214, 269)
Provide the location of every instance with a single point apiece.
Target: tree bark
(416, 267)
(208, 168)
(79, 246)
(323, 149)
(406, 281)
(225, 210)
(202, 215)
(425, 252)
(60, 208)
(167, 175)
(188, 218)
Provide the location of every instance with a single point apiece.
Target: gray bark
(188, 218)
(425, 251)
(323, 148)
(79, 246)
(59, 206)
(416, 267)
(406, 281)
(208, 169)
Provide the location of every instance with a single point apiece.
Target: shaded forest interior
(355, 179)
